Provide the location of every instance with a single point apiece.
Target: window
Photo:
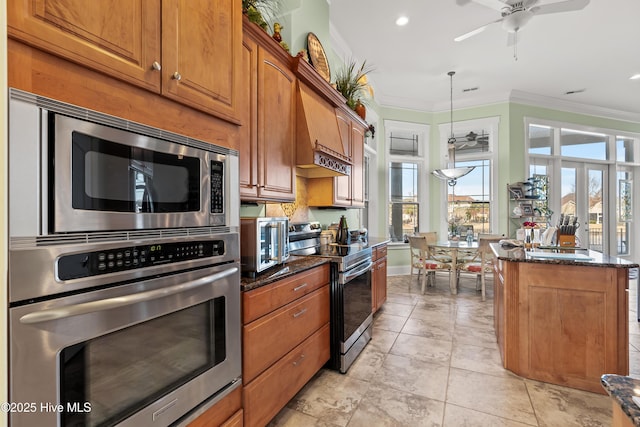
(591, 174)
(470, 199)
(624, 211)
(540, 139)
(585, 145)
(470, 203)
(404, 208)
(406, 170)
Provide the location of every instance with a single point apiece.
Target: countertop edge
(621, 389)
(518, 254)
(294, 265)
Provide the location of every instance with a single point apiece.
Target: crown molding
(526, 98)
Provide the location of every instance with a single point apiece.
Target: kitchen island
(562, 320)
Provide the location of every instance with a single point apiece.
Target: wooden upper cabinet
(202, 54)
(357, 169)
(276, 128)
(268, 110)
(188, 50)
(120, 38)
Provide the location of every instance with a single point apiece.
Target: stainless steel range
(351, 294)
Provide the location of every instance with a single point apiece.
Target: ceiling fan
(516, 13)
(471, 139)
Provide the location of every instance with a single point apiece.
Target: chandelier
(453, 173)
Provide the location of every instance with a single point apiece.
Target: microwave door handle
(271, 239)
(282, 232)
(116, 302)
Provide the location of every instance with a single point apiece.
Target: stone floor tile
(504, 397)
(558, 406)
(457, 416)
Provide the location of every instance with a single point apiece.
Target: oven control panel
(95, 263)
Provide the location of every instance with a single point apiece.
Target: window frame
(491, 125)
(422, 130)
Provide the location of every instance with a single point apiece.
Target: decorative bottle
(343, 232)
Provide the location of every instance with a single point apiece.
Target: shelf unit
(528, 201)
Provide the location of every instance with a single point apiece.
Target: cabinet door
(124, 46)
(248, 138)
(276, 128)
(342, 184)
(357, 169)
(379, 283)
(202, 55)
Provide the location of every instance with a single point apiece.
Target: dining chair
(423, 260)
(482, 262)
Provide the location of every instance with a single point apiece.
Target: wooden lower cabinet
(237, 420)
(379, 277)
(285, 341)
(271, 337)
(562, 324)
(227, 412)
(269, 393)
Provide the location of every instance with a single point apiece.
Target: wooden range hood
(320, 149)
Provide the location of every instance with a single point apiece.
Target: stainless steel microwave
(76, 170)
(264, 243)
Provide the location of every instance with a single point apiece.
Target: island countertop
(585, 257)
(622, 389)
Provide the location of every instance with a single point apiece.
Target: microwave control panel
(95, 263)
(217, 187)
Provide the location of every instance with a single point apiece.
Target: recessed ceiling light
(635, 77)
(402, 21)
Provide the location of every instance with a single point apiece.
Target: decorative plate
(318, 57)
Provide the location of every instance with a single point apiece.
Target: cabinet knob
(177, 76)
(156, 66)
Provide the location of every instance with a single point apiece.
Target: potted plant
(351, 82)
(261, 11)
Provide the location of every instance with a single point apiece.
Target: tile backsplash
(299, 211)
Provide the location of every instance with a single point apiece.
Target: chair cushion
(474, 267)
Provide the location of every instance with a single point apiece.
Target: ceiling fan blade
(493, 4)
(563, 6)
(476, 31)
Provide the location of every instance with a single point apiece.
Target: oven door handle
(116, 302)
(356, 272)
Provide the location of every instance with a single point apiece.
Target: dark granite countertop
(294, 265)
(377, 241)
(567, 257)
(622, 389)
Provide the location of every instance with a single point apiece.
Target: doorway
(584, 198)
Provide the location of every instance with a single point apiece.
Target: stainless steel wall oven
(124, 299)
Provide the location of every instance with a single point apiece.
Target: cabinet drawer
(381, 252)
(269, 338)
(261, 301)
(270, 392)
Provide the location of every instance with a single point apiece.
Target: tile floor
(433, 361)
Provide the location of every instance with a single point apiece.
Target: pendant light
(452, 174)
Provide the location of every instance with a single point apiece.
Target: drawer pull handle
(300, 313)
(297, 288)
(297, 362)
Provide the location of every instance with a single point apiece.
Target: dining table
(458, 250)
